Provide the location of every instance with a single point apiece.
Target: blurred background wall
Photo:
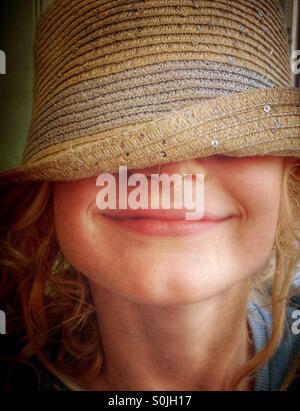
(17, 26)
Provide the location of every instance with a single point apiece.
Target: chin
(164, 284)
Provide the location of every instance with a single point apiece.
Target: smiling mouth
(163, 222)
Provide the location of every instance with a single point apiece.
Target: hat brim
(257, 122)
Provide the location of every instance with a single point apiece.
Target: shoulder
(273, 373)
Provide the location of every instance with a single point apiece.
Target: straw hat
(139, 83)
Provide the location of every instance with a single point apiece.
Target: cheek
(258, 192)
(84, 241)
(73, 226)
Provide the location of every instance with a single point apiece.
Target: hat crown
(80, 35)
(100, 65)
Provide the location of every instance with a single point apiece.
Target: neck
(185, 347)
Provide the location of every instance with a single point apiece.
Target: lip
(159, 214)
(163, 222)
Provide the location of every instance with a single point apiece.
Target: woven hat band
(135, 96)
(256, 122)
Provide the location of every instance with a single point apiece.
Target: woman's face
(159, 261)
